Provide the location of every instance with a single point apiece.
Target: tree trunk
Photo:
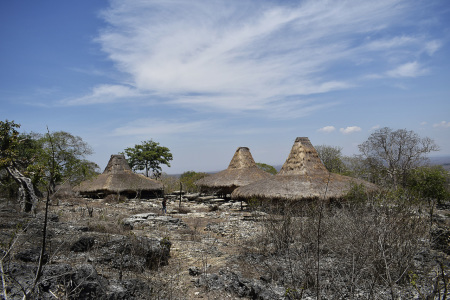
(27, 198)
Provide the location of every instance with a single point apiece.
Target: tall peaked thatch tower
(241, 171)
(303, 160)
(117, 164)
(117, 178)
(303, 176)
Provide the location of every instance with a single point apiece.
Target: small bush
(115, 199)
(183, 210)
(356, 194)
(213, 208)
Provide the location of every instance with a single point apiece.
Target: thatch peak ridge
(242, 159)
(303, 159)
(117, 164)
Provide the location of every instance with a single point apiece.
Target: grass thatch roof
(118, 178)
(241, 171)
(303, 176)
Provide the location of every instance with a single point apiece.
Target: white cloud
(432, 46)
(246, 55)
(442, 124)
(105, 93)
(350, 129)
(159, 127)
(327, 129)
(375, 127)
(411, 69)
(392, 43)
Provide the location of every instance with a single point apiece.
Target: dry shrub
(214, 207)
(115, 199)
(103, 226)
(341, 251)
(183, 210)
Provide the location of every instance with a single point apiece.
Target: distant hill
(441, 160)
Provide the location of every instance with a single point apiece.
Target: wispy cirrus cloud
(105, 93)
(159, 127)
(253, 55)
(410, 69)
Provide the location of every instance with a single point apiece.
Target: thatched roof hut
(303, 176)
(241, 171)
(119, 179)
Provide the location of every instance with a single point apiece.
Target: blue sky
(206, 77)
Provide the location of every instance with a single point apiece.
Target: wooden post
(181, 190)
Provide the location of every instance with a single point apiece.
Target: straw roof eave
(303, 176)
(118, 178)
(119, 183)
(230, 178)
(241, 171)
(298, 187)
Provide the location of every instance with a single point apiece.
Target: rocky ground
(203, 248)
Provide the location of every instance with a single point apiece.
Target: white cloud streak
(443, 124)
(350, 129)
(106, 93)
(327, 129)
(410, 69)
(253, 55)
(159, 127)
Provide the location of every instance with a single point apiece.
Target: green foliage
(357, 194)
(69, 153)
(267, 168)
(149, 155)
(9, 143)
(332, 158)
(54, 157)
(189, 178)
(430, 182)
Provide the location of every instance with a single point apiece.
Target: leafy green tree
(332, 158)
(9, 143)
(189, 178)
(396, 153)
(39, 162)
(268, 168)
(62, 157)
(148, 156)
(9, 161)
(430, 182)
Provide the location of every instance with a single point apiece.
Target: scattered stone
(206, 198)
(242, 287)
(191, 197)
(151, 219)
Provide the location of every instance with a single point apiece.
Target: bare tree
(397, 152)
